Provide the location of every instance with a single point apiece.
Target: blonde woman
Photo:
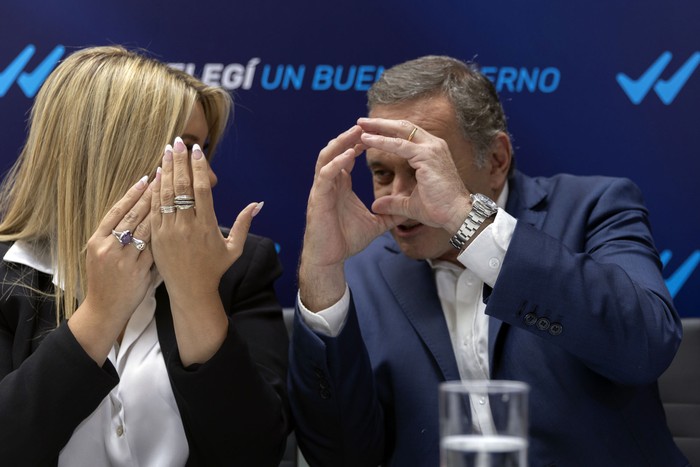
(132, 332)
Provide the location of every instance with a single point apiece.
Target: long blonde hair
(98, 124)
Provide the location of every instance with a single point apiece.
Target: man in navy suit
(465, 268)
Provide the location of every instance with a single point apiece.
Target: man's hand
(439, 198)
(338, 224)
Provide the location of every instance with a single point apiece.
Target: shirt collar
(33, 254)
(36, 255)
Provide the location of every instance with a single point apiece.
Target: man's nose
(403, 185)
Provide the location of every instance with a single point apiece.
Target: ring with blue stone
(125, 237)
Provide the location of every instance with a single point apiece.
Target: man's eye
(382, 176)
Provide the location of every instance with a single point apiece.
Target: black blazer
(234, 407)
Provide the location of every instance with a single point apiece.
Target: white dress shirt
(461, 295)
(138, 423)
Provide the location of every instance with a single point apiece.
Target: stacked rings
(181, 202)
(184, 199)
(184, 202)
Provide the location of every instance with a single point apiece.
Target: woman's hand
(118, 265)
(190, 252)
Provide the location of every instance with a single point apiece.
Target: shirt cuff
(329, 321)
(484, 255)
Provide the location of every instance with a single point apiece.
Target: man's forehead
(434, 114)
(376, 158)
(419, 104)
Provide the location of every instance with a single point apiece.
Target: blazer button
(530, 319)
(543, 324)
(555, 329)
(325, 394)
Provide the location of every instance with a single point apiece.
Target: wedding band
(124, 237)
(167, 209)
(413, 133)
(184, 199)
(138, 243)
(184, 206)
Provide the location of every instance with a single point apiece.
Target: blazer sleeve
(339, 418)
(590, 282)
(234, 407)
(46, 390)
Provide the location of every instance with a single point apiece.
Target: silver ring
(167, 209)
(138, 243)
(184, 206)
(184, 199)
(124, 236)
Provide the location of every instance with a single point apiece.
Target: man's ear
(501, 157)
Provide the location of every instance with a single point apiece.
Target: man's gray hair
(473, 96)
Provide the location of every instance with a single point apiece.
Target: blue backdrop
(589, 87)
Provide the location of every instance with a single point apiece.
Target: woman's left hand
(189, 250)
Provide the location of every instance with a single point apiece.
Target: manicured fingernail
(168, 154)
(258, 208)
(197, 152)
(179, 145)
(158, 171)
(141, 184)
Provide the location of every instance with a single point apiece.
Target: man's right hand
(338, 224)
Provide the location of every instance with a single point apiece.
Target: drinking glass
(483, 423)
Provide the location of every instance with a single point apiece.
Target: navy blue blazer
(579, 311)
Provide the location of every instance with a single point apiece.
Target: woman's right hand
(118, 273)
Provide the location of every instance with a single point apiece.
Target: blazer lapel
(413, 285)
(524, 199)
(164, 323)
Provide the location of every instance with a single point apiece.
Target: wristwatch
(482, 208)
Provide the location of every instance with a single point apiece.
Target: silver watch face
(484, 204)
